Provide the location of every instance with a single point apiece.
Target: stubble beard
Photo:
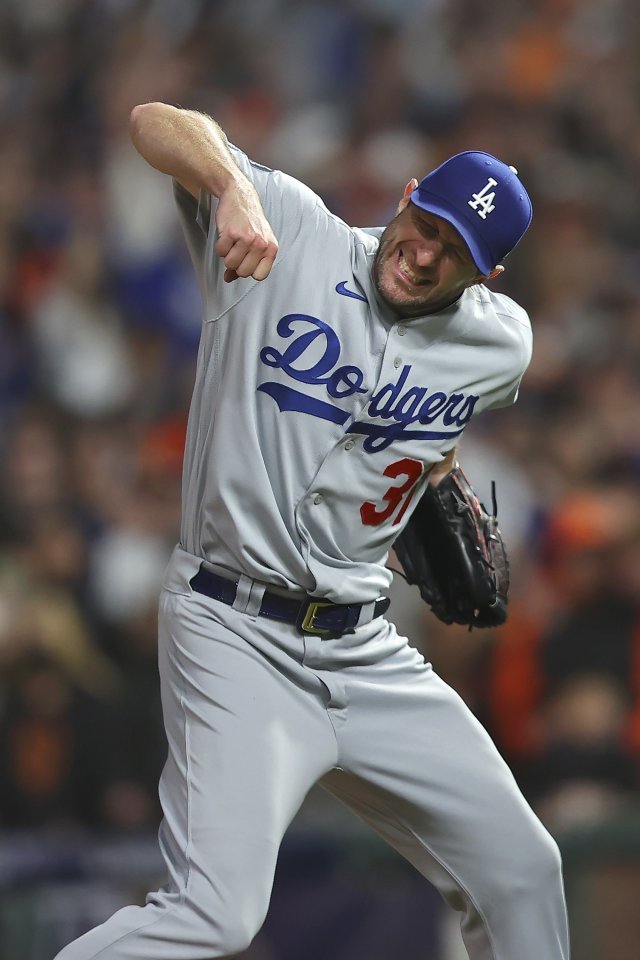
(406, 307)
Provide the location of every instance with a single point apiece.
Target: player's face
(422, 264)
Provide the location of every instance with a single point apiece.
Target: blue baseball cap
(483, 199)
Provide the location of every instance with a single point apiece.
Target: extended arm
(192, 148)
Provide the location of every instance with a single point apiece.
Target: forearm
(192, 148)
(186, 145)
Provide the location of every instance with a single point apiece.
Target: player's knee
(220, 935)
(529, 868)
(237, 934)
(225, 927)
(548, 861)
(538, 866)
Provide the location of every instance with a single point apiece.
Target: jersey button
(401, 330)
(318, 498)
(350, 444)
(397, 362)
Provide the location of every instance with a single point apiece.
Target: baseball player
(336, 373)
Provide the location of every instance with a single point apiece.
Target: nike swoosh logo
(341, 288)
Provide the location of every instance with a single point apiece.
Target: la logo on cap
(482, 202)
(448, 192)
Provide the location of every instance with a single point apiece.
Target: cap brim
(480, 253)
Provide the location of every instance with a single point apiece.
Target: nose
(428, 251)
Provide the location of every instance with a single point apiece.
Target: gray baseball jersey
(316, 416)
(315, 409)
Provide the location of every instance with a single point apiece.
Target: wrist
(227, 181)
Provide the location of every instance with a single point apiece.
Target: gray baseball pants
(255, 714)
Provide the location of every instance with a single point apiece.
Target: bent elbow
(142, 115)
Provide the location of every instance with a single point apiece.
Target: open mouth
(410, 277)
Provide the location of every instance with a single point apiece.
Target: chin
(404, 305)
(396, 296)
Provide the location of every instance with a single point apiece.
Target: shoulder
(505, 308)
(500, 322)
(368, 238)
(498, 331)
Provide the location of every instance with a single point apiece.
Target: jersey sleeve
(518, 347)
(195, 232)
(289, 205)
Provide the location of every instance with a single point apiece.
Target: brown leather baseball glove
(452, 549)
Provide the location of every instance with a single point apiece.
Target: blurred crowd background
(99, 324)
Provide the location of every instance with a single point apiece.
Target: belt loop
(249, 596)
(254, 601)
(367, 611)
(243, 594)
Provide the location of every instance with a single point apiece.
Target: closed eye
(459, 254)
(430, 231)
(426, 229)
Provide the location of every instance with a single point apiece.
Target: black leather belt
(310, 615)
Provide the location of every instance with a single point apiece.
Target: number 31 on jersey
(397, 497)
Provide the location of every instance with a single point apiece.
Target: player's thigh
(245, 742)
(421, 769)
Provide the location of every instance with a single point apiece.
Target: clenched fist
(245, 241)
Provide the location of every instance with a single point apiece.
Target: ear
(408, 190)
(482, 277)
(495, 272)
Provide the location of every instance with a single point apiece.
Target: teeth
(407, 271)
